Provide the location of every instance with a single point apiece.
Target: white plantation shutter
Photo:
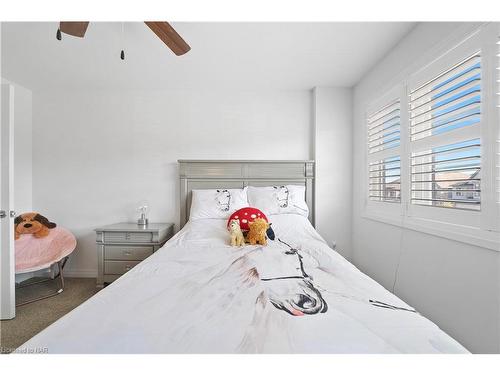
(448, 176)
(385, 180)
(384, 144)
(433, 144)
(444, 122)
(384, 128)
(449, 101)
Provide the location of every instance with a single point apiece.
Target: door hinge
(3, 214)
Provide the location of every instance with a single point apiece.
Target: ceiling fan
(163, 30)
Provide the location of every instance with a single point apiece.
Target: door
(7, 255)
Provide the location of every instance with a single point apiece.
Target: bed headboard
(234, 174)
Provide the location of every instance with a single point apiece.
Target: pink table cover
(34, 254)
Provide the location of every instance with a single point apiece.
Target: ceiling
(223, 55)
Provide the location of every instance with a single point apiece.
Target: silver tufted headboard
(234, 174)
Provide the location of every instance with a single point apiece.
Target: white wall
(23, 160)
(333, 150)
(98, 154)
(454, 284)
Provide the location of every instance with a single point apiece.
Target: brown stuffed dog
(32, 223)
(257, 232)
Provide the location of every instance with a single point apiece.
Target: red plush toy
(249, 214)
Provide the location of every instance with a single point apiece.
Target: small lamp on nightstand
(143, 220)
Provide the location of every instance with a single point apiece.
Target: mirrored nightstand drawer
(120, 252)
(135, 237)
(119, 267)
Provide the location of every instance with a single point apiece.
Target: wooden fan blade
(169, 36)
(74, 28)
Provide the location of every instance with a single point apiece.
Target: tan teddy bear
(257, 232)
(237, 238)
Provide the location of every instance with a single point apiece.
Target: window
(447, 102)
(447, 175)
(433, 144)
(384, 141)
(385, 180)
(384, 128)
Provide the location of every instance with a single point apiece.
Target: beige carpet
(34, 317)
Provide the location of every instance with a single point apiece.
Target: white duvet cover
(199, 295)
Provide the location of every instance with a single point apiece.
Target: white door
(7, 256)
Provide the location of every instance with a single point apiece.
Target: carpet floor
(34, 317)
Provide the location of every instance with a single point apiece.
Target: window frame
(481, 228)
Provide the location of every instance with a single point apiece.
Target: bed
(197, 294)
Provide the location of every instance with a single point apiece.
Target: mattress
(199, 295)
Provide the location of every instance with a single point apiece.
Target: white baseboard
(87, 273)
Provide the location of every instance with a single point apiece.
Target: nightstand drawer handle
(127, 253)
(128, 268)
(127, 236)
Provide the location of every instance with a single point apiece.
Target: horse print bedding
(216, 203)
(199, 295)
(279, 199)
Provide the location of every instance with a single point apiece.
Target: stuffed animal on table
(237, 238)
(248, 214)
(257, 233)
(32, 223)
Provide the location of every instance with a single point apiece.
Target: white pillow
(216, 203)
(284, 199)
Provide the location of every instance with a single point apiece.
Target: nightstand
(122, 246)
